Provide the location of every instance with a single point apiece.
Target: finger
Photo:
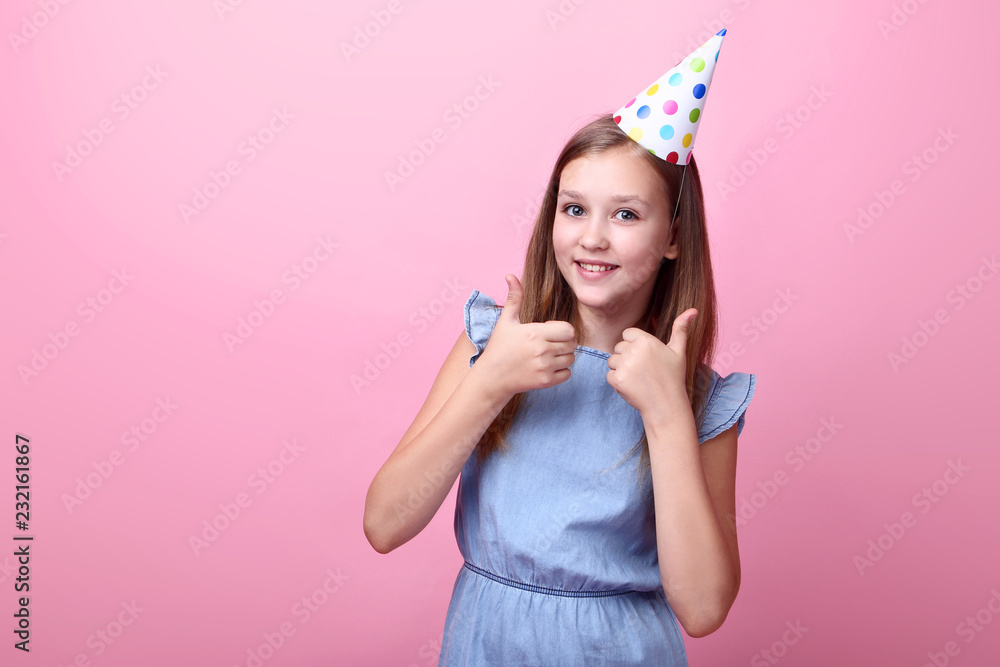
(681, 328)
(564, 347)
(631, 334)
(515, 295)
(557, 331)
(564, 360)
(558, 376)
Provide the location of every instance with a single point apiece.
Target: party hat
(663, 118)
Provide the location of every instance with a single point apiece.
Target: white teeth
(595, 267)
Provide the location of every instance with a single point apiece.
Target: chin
(593, 297)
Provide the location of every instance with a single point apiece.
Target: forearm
(698, 570)
(410, 487)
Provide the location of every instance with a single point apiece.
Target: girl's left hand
(645, 371)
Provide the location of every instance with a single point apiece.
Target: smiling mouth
(597, 268)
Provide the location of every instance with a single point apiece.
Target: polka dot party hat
(663, 118)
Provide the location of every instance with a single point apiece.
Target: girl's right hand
(527, 356)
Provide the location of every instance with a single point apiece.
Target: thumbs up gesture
(647, 373)
(527, 356)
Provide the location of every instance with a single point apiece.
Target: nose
(594, 233)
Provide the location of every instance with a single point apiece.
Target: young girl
(595, 443)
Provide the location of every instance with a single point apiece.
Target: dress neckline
(594, 351)
(602, 353)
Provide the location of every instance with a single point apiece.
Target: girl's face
(611, 211)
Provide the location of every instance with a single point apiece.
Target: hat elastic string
(677, 205)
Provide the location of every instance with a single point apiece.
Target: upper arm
(718, 460)
(454, 368)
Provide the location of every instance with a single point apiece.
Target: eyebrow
(618, 199)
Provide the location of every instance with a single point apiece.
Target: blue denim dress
(560, 543)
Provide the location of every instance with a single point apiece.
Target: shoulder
(481, 315)
(728, 399)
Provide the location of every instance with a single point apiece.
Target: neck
(601, 330)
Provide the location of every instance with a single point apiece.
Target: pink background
(406, 258)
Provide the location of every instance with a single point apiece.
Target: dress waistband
(548, 591)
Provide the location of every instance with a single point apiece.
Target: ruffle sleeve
(481, 315)
(727, 404)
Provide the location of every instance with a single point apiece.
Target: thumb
(515, 294)
(682, 327)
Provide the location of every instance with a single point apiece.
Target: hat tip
(721, 33)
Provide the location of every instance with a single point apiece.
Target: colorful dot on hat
(618, 119)
(652, 89)
(694, 115)
(630, 103)
(651, 151)
(667, 132)
(635, 133)
(697, 65)
(675, 79)
(672, 157)
(717, 55)
(699, 91)
(670, 107)
(643, 111)
(687, 140)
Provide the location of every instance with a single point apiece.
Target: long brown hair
(683, 283)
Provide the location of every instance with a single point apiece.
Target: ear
(673, 250)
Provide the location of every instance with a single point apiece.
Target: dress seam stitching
(547, 591)
(741, 408)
